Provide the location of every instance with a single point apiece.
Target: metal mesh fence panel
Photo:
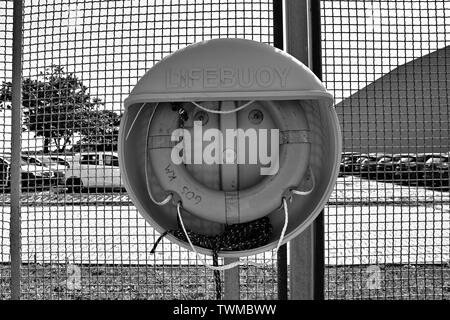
(5, 143)
(388, 224)
(82, 237)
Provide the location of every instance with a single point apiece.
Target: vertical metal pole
(231, 281)
(16, 133)
(282, 273)
(306, 251)
(319, 228)
(229, 179)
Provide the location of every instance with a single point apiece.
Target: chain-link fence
(5, 143)
(81, 235)
(387, 224)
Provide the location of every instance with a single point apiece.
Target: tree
(57, 106)
(5, 95)
(100, 130)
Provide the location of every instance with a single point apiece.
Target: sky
(110, 44)
(366, 39)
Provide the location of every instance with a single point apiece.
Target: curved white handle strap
(222, 111)
(195, 104)
(237, 263)
(134, 120)
(305, 193)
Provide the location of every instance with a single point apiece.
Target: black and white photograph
(224, 157)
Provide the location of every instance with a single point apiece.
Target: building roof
(406, 110)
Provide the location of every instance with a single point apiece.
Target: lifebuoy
(240, 206)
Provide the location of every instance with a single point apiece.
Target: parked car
(348, 162)
(412, 172)
(386, 167)
(436, 171)
(4, 174)
(356, 166)
(52, 162)
(93, 170)
(57, 162)
(32, 175)
(368, 166)
(378, 170)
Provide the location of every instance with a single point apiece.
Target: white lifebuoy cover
(229, 69)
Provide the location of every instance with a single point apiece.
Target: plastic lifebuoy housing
(222, 74)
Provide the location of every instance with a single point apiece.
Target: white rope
(149, 190)
(134, 120)
(237, 263)
(305, 193)
(222, 111)
(283, 231)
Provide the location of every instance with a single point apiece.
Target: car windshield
(89, 159)
(110, 160)
(436, 160)
(30, 160)
(398, 158)
(60, 161)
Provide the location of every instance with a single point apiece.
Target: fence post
(16, 133)
(229, 180)
(319, 223)
(282, 270)
(306, 251)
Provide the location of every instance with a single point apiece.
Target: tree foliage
(58, 104)
(99, 130)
